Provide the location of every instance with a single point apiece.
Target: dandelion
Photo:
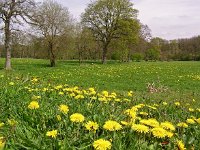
(198, 120)
(190, 121)
(2, 143)
(91, 126)
(58, 117)
(77, 117)
(12, 122)
(102, 144)
(63, 108)
(143, 113)
(11, 83)
(164, 103)
(177, 103)
(150, 122)
(130, 93)
(52, 133)
(167, 125)
(191, 109)
(180, 145)
(140, 128)
(124, 123)
(182, 124)
(169, 134)
(112, 125)
(33, 105)
(1, 124)
(159, 132)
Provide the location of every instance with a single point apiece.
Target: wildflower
(191, 109)
(167, 125)
(11, 83)
(159, 132)
(63, 108)
(169, 134)
(52, 133)
(190, 121)
(143, 113)
(77, 117)
(1, 124)
(2, 143)
(91, 126)
(124, 123)
(150, 122)
(177, 103)
(182, 124)
(130, 93)
(112, 125)
(180, 145)
(102, 144)
(140, 128)
(12, 122)
(61, 93)
(165, 103)
(152, 107)
(58, 117)
(33, 105)
(198, 120)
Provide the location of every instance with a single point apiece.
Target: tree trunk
(7, 46)
(52, 55)
(105, 49)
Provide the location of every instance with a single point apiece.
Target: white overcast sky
(168, 19)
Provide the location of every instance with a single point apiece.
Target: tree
(51, 20)
(103, 18)
(10, 13)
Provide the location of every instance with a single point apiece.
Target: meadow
(137, 105)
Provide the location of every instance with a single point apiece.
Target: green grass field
(155, 105)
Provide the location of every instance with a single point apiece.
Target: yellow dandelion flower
(63, 108)
(130, 93)
(1, 124)
(159, 132)
(191, 109)
(11, 83)
(33, 105)
(124, 123)
(112, 125)
(169, 134)
(198, 120)
(140, 128)
(91, 126)
(143, 113)
(177, 103)
(180, 145)
(12, 122)
(77, 117)
(61, 93)
(58, 117)
(190, 121)
(165, 103)
(102, 144)
(150, 122)
(52, 133)
(182, 124)
(167, 125)
(2, 143)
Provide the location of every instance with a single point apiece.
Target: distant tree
(152, 54)
(103, 18)
(52, 20)
(12, 12)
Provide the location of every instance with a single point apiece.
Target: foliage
(152, 54)
(137, 57)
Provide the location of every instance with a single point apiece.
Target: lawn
(137, 105)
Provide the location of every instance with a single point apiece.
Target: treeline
(108, 29)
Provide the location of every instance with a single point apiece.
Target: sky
(168, 19)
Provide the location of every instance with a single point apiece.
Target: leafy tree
(153, 54)
(10, 13)
(103, 18)
(52, 20)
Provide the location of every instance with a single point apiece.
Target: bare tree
(51, 21)
(12, 12)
